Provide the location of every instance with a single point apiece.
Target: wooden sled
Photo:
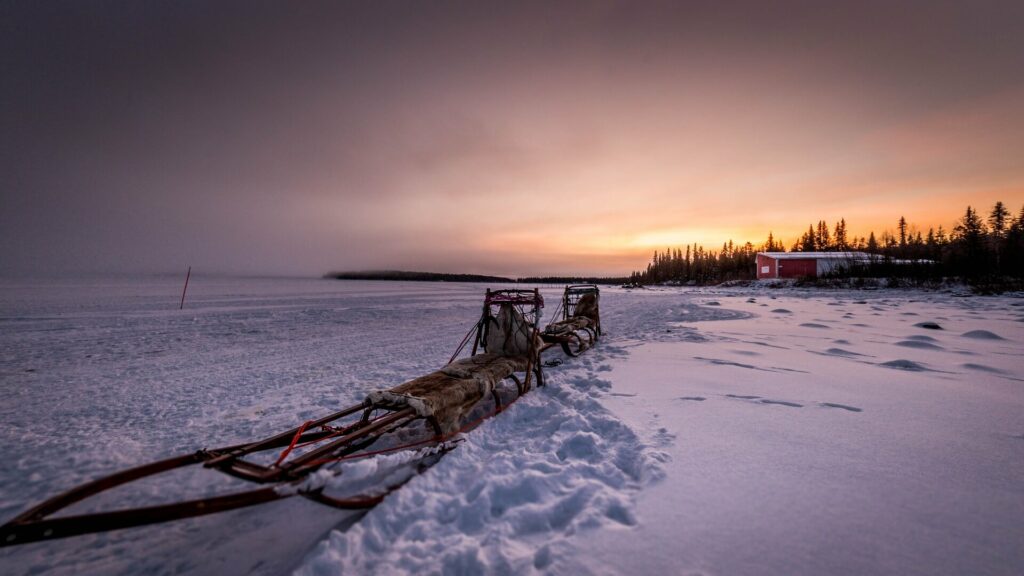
(438, 406)
(580, 325)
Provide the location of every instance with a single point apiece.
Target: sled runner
(580, 325)
(426, 414)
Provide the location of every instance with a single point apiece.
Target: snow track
(509, 499)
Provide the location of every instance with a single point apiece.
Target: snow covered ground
(713, 431)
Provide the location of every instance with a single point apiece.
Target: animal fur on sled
(508, 333)
(585, 315)
(567, 326)
(587, 308)
(450, 393)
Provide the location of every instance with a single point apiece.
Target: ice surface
(706, 433)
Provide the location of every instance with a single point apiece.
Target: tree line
(978, 248)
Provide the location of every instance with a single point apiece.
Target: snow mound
(982, 368)
(982, 335)
(908, 365)
(841, 352)
(497, 505)
(919, 344)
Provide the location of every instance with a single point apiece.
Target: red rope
(295, 440)
(334, 434)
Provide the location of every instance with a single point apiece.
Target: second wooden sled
(580, 325)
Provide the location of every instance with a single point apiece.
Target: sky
(511, 138)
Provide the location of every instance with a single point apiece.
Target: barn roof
(816, 255)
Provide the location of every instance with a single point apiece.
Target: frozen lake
(732, 431)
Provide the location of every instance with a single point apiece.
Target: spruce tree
(872, 244)
(840, 240)
(969, 236)
(807, 242)
(822, 241)
(999, 220)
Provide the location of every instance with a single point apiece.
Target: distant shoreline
(443, 277)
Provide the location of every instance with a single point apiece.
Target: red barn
(799, 264)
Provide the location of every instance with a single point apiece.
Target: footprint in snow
(719, 362)
(784, 369)
(813, 325)
(746, 352)
(663, 437)
(840, 406)
(760, 400)
(782, 403)
(781, 311)
(928, 325)
(692, 398)
(757, 343)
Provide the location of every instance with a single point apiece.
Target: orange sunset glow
(511, 139)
